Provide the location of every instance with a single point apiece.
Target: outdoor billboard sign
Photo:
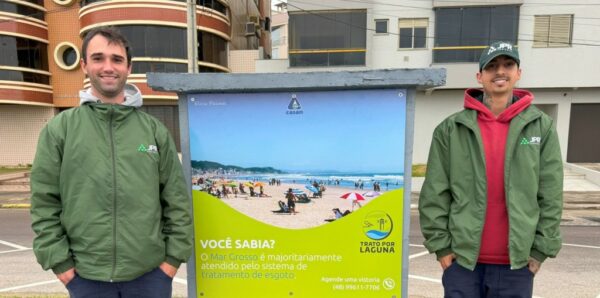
(299, 192)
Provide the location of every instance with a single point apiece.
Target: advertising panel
(298, 194)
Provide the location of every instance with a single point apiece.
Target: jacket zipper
(114, 169)
(507, 168)
(482, 156)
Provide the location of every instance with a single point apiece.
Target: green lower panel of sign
(358, 255)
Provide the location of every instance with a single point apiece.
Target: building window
(462, 33)
(212, 48)
(23, 9)
(213, 4)
(277, 37)
(23, 52)
(156, 66)
(553, 31)
(381, 26)
(413, 33)
(143, 42)
(171, 44)
(23, 76)
(327, 38)
(66, 56)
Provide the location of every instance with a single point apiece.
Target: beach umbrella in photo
(372, 194)
(259, 184)
(354, 196)
(312, 188)
(249, 184)
(231, 183)
(296, 192)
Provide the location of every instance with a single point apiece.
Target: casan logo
(294, 108)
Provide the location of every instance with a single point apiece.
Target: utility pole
(192, 37)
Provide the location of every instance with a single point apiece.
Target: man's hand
(168, 269)
(534, 265)
(67, 276)
(446, 261)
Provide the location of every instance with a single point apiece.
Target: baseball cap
(496, 49)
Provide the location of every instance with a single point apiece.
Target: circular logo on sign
(377, 225)
(389, 284)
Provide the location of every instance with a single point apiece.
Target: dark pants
(487, 280)
(154, 284)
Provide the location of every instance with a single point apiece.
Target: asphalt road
(575, 273)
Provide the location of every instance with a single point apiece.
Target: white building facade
(559, 46)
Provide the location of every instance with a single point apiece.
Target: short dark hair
(113, 36)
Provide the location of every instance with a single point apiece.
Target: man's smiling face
(499, 76)
(106, 66)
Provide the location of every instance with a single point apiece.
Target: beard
(108, 91)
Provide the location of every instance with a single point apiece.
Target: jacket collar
(469, 117)
(133, 96)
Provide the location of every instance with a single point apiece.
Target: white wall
(383, 49)
(556, 76)
(576, 66)
(431, 110)
(21, 126)
(434, 108)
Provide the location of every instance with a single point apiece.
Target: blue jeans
(154, 284)
(487, 280)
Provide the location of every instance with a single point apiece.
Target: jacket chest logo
(150, 149)
(531, 141)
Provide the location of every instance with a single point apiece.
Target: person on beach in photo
(291, 201)
(491, 204)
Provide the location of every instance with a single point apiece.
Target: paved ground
(591, 166)
(575, 273)
(20, 272)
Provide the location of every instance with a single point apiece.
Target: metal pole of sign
(408, 153)
(192, 37)
(187, 172)
(192, 54)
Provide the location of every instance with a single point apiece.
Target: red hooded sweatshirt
(494, 130)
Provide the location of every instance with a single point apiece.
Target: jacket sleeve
(547, 241)
(435, 197)
(50, 244)
(176, 203)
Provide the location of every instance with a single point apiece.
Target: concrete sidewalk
(581, 199)
(14, 190)
(580, 192)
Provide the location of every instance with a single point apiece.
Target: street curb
(15, 206)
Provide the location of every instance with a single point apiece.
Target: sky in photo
(344, 131)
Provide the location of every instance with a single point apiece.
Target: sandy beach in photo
(309, 214)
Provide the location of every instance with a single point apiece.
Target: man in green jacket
(491, 203)
(109, 206)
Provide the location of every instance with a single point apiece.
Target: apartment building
(558, 43)
(40, 45)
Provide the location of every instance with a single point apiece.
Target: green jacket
(108, 194)
(453, 198)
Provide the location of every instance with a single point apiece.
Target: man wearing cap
(491, 203)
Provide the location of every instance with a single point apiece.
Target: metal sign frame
(203, 83)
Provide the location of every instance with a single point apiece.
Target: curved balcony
(151, 12)
(14, 92)
(24, 75)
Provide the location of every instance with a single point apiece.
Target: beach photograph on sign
(335, 154)
(300, 193)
